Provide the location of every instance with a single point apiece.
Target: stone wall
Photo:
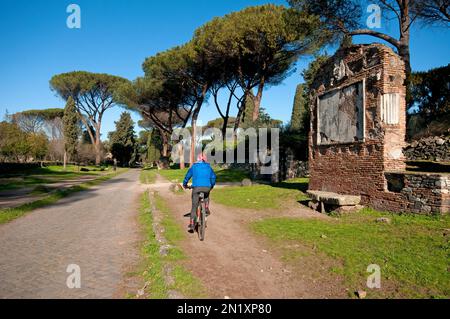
(419, 193)
(291, 167)
(296, 169)
(434, 148)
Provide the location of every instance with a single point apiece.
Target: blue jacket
(202, 175)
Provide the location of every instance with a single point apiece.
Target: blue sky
(117, 35)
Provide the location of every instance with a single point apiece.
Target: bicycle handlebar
(189, 186)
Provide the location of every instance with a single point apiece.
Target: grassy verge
(412, 251)
(153, 263)
(148, 176)
(9, 214)
(262, 196)
(183, 281)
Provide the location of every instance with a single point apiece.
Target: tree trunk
(97, 144)
(165, 146)
(403, 52)
(241, 108)
(181, 154)
(163, 162)
(193, 140)
(95, 140)
(224, 127)
(194, 123)
(65, 159)
(257, 100)
(403, 47)
(226, 116)
(97, 152)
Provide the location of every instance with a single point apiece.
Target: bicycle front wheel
(202, 223)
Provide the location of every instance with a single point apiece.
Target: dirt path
(95, 229)
(233, 262)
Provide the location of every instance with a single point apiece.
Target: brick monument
(357, 134)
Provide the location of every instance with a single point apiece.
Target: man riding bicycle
(203, 181)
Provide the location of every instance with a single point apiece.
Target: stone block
(334, 198)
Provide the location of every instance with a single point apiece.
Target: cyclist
(203, 181)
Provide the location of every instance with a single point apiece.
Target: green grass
(223, 175)
(173, 174)
(188, 285)
(148, 176)
(262, 196)
(9, 214)
(412, 252)
(230, 175)
(75, 169)
(45, 175)
(155, 263)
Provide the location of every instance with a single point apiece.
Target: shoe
(191, 228)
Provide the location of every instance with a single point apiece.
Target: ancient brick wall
(373, 164)
(357, 168)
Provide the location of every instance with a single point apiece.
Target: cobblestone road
(94, 229)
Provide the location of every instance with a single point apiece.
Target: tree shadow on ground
(300, 185)
(77, 193)
(304, 202)
(231, 175)
(114, 180)
(72, 197)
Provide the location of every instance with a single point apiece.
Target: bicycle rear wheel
(202, 223)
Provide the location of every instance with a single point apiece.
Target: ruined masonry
(358, 132)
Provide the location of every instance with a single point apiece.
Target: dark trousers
(196, 198)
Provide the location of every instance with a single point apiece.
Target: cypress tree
(299, 108)
(122, 140)
(153, 154)
(71, 130)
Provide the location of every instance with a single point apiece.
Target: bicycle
(200, 219)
